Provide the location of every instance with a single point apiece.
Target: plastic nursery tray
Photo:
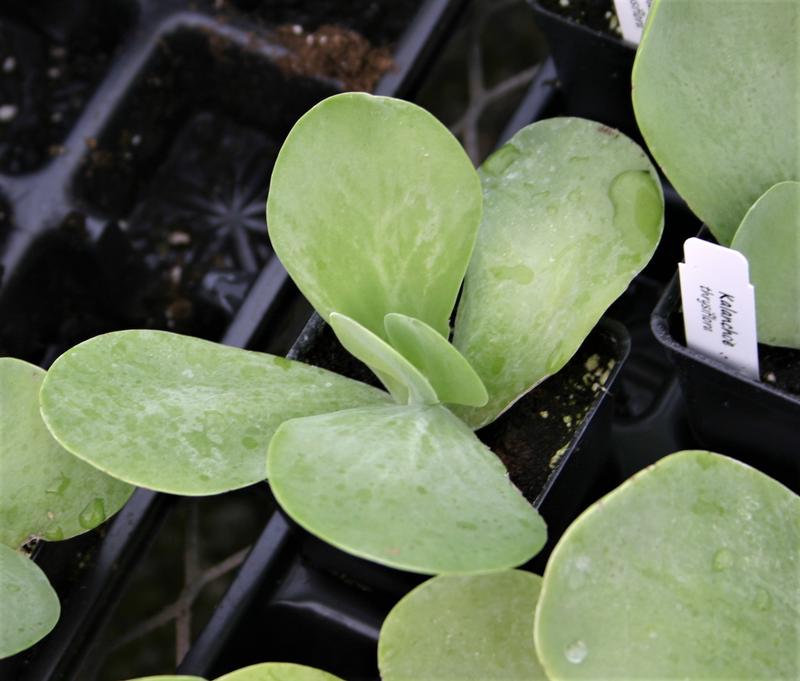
(136, 144)
(593, 67)
(730, 413)
(324, 606)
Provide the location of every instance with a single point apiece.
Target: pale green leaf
(401, 377)
(278, 671)
(463, 628)
(769, 237)
(167, 677)
(29, 606)
(690, 570)
(450, 374)
(572, 212)
(373, 208)
(717, 98)
(406, 486)
(44, 490)
(183, 415)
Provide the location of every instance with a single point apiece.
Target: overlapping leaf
(572, 212)
(278, 671)
(405, 486)
(373, 208)
(688, 570)
(183, 415)
(769, 237)
(449, 373)
(44, 490)
(29, 606)
(717, 97)
(463, 628)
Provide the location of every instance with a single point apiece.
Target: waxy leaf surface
(572, 212)
(769, 237)
(400, 376)
(463, 628)
(278, 671)
(44, 490)
(29, 606)
(406, 486)
(373, 208)
(689, 570)
(183, 415)
(716, 92)
(450, 374)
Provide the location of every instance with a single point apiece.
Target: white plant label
(719, 308)
(632, 15)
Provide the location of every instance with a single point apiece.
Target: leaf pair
(717, 96)
(688, 570)
(45, 492)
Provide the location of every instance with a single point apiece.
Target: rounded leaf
(769, 237)
(689, 570)
(28, 603)
(573, 210)
(463, 628)
(44, 490)
(373, 208)
(278, 671)
(716, 96)
(183, 415)
(406, 486)
(449, 373)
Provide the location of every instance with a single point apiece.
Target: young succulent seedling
(45, 493)
(688, 570)
(377, 213)
(717, 95)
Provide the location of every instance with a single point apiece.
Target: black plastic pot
(77, 203)
(594, 70)
(325, 606)
(729, 413)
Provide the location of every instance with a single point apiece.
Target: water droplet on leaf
(723, 559)
(576, 652)
(93, 514)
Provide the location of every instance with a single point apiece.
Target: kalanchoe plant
(688, 570)
(717, 95)
(375, 211)
(45, 493)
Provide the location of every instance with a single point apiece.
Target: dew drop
(59, 485)
(53, 534)
(93, 514)
(576, 652)
(723, 559)
(12, 588)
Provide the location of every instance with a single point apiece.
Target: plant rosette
(727, 140)
(378, 215)
(46, 493)
(687, 570)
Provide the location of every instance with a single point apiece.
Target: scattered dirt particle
(333, 52)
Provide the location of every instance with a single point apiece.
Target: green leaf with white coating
(406, 486)
(717, 98)
(689, 570)
(769, 237)
(572, 212)
(450, 374)
(29, 606)
(45, 491)
(463, 628)
(373, 208)
(278, 671)
(183, 415)
(401, 377)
